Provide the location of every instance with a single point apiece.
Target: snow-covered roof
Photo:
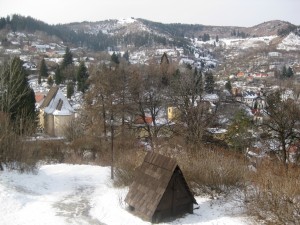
(211, 97)
(56, 103)
(249, 94)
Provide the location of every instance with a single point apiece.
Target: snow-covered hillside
(112, 27)
(291, 42)
(246, 43)
(83, 194)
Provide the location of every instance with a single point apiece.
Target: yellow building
(56, 113)
(173, 113)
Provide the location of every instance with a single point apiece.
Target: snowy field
(64, 194)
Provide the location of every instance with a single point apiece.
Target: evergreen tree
(283, 73)
(205, 37)
(217, 38)
(189, 66)
(68, 58)
(198, 82)
(164, 67)
(234, 33)
(209, 83)
(50, 81)
(43, 69)
(82, 76)
(70, 89)
(164, 59)
(39, 79)
(290, 72)
(58, 76)
(114, 58)
(18, 101)
(126, 56)
(228, 86)
(238, 133)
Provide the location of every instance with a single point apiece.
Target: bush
(13, 152)
(212, 170)
(128, 156)
(274, 195)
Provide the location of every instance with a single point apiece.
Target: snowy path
(83, 195)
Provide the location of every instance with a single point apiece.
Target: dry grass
(128, 156)
(212, 170)
(274, 195)
(207, 170)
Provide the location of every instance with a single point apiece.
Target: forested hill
(137, 32)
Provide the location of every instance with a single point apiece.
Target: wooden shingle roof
(51, 94)
(151, 181)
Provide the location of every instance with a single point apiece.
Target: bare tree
(283, 118)
(195, 114)
(148, 98)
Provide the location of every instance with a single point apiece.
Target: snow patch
(64, 194)
(126, 20)
(290, 43)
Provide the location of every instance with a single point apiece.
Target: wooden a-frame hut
(159, 191)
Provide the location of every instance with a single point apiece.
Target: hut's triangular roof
(151, 181)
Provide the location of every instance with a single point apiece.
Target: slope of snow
(126, 20)
(291, 42)
(247, 42)
(83, 194)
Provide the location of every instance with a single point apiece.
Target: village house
(249, 98)
(55, 113)
(258, 107)
(173, 113)
(240, 75)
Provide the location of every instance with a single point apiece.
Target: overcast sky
(207, 12)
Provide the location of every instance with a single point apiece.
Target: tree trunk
(284, 155)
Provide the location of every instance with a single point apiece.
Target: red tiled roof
(139, 120)
(39, 97)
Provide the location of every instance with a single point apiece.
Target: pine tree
(43, 69)
(18, 101)
(209, 83)
(70, 89)
(290, 72)
(237, 135)
(39, 79)
(164, 59)
(126, 56)
(58, 76)
(198, 81)
(283, 73)
(228, 86)
(68, 58)
(164, 67)
(217, 38)
(114, 58)
(50, 81)
(82, 76)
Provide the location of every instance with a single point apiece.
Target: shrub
(212, 170)
(274, 195)
(128, 156)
